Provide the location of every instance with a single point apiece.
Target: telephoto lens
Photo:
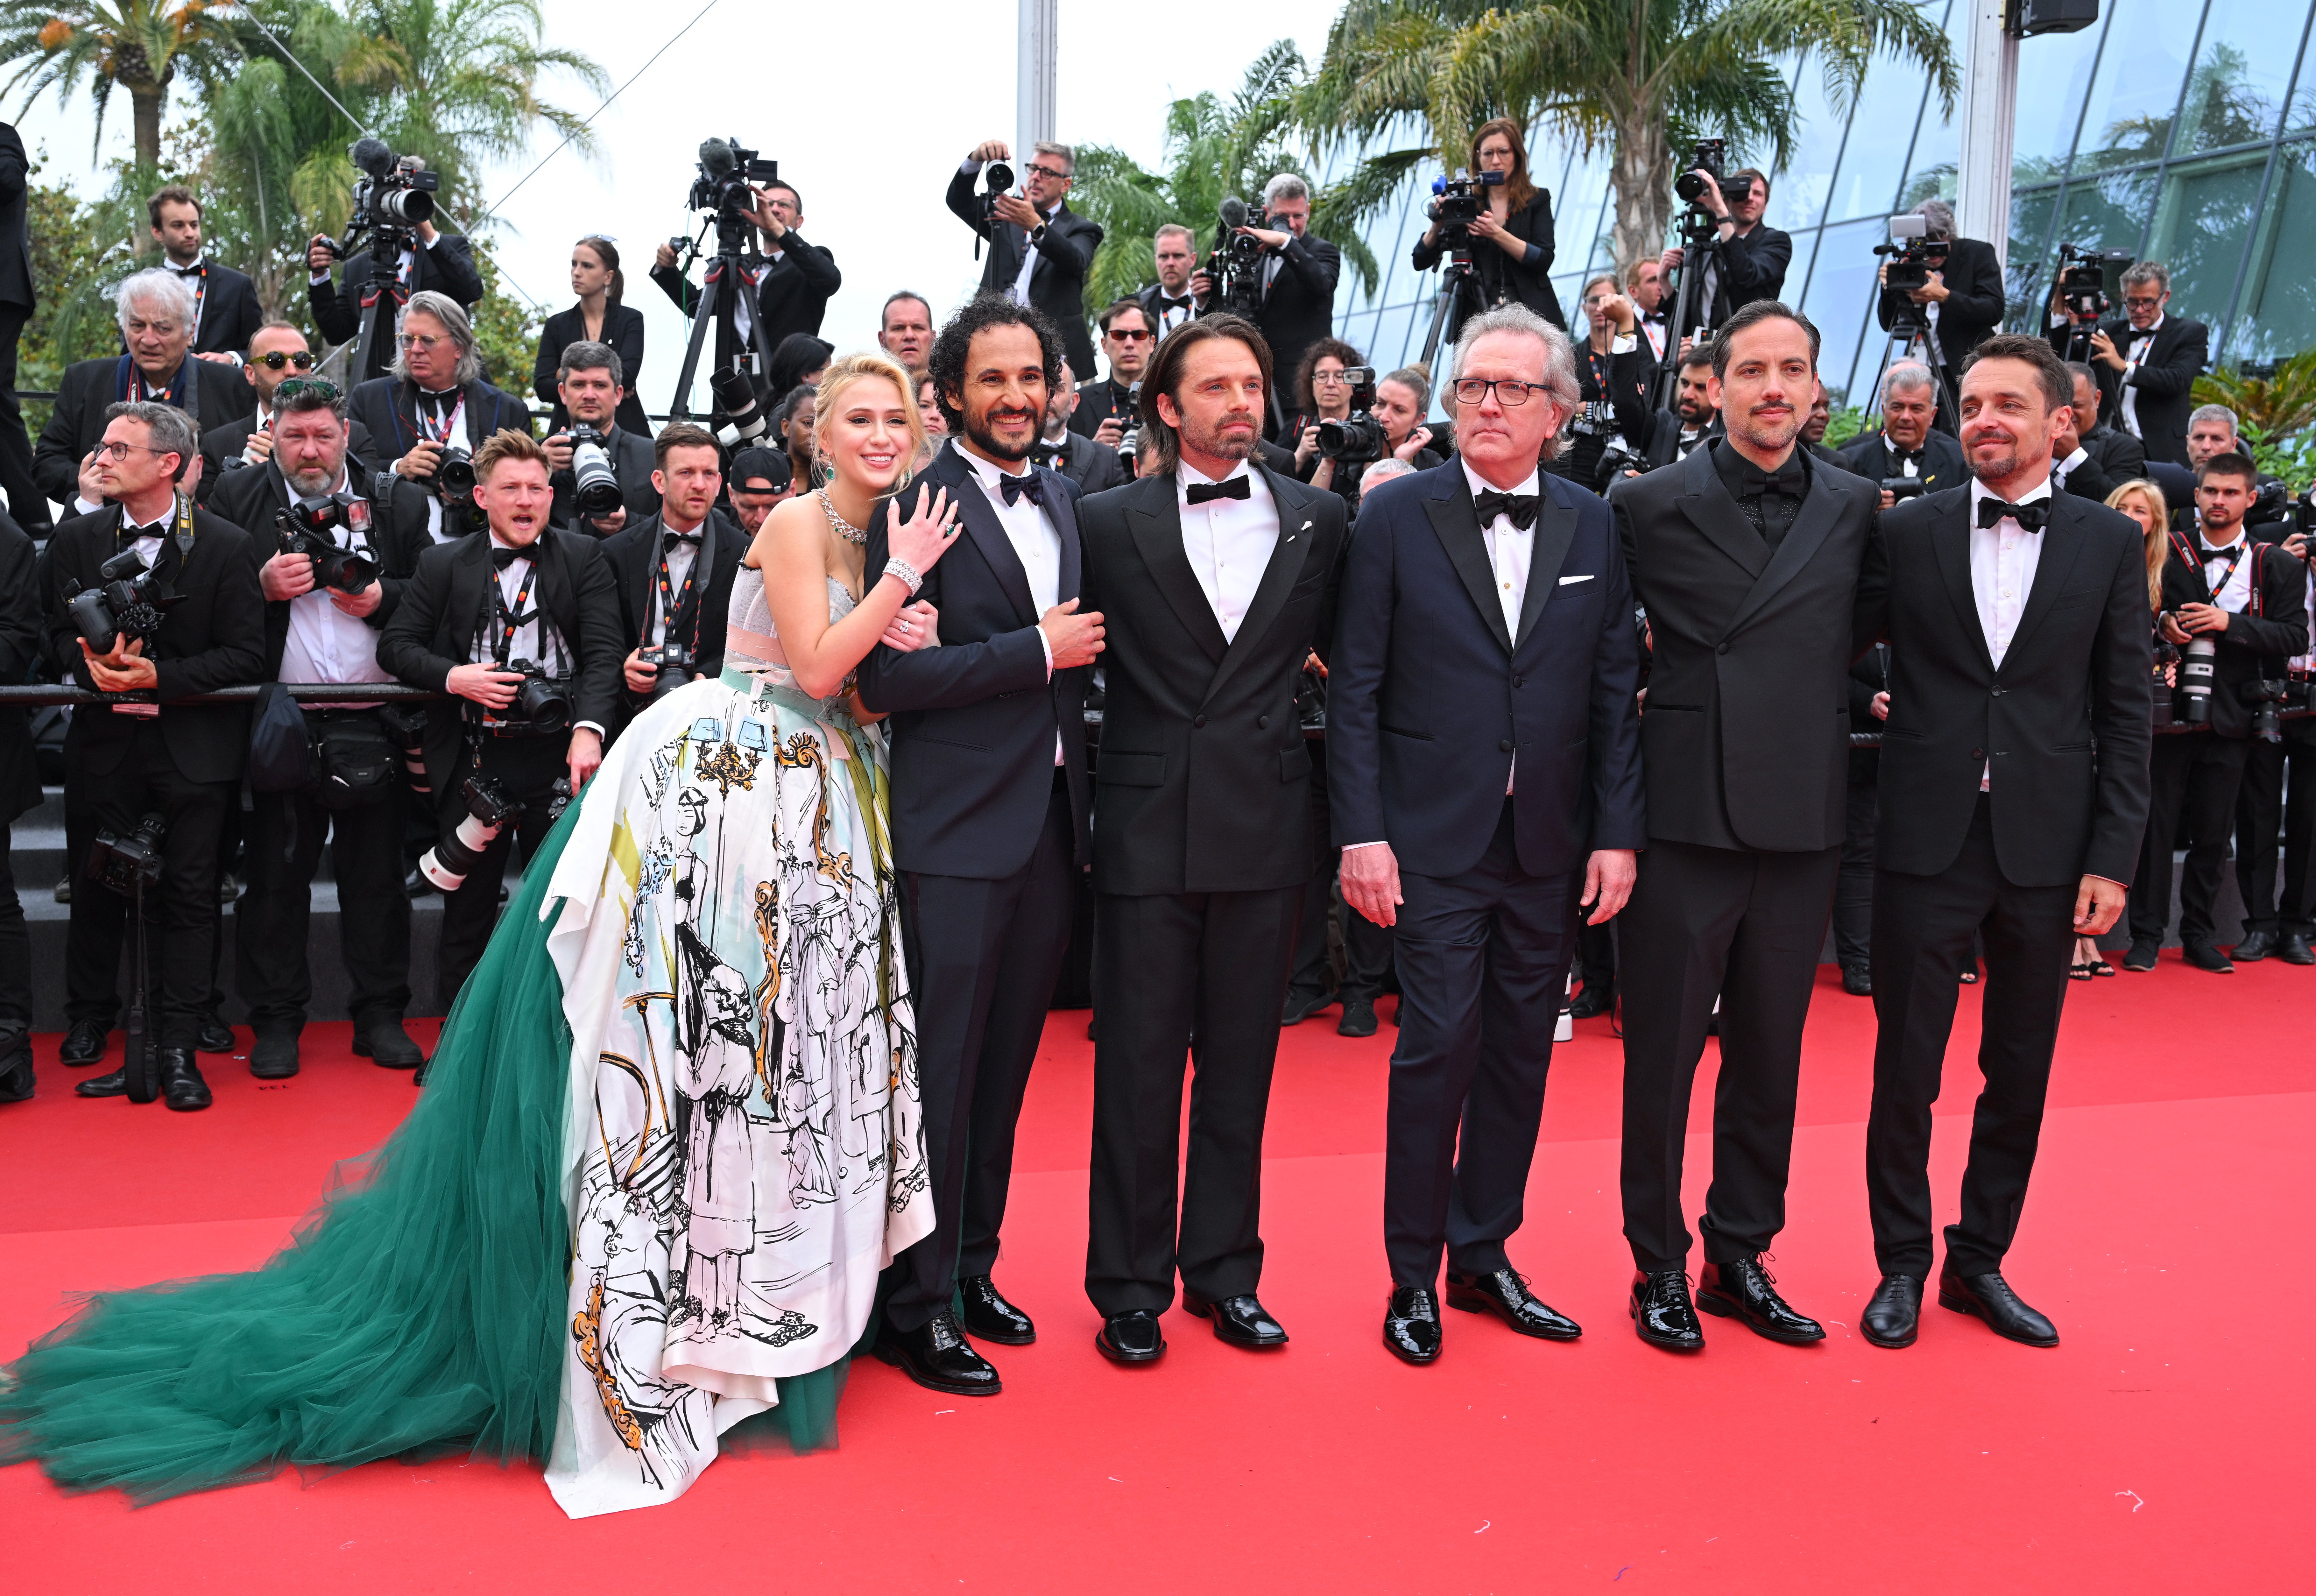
(595, 485)
(407, 729)
(454, 476)
(448, 863)
(2196, 672)
(735, 397)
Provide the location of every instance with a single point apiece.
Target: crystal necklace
(844, 528)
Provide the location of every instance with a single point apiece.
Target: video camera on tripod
(1234, 264)
(725, 188)
(392, 196)
(2084, 286)
(727, 171)
(1458, 201)
(1912, 255)
(1707, 156)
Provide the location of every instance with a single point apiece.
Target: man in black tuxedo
(2017, 625)
(2074, 470)
(317, 633)
(1093, 467)
(1964, 298)
(1906, 443)
(26, 503)
(2147, 363)
(440, 262)
(1041, 251)
(1749, 557)
(179, 761)
(2249, 600)
(1106, 407)
(20, 793)
(675, 570)
(225, 312)
(592, 382)
(1680, 432)
(989, 816)
(1485, 768)
(2119, 456)
(1217, 579)
(798, 278)
(1299, 274)
(156, 313)
(519, 590)
(434, 405)
(1170, 301)
(1751, 259)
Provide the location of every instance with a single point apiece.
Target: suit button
(1504, 748)
(1997, 693)
(1519, 680)
(1721, 648)
(1978, 754)
(1262, 720)
(1199, 721)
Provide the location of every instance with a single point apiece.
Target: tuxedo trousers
(1482, 962)
(2278, 798)
(287, 838)
(1201, 973)
(984, 957)
(2196, 774)
(1922, 928)
(1746, 927)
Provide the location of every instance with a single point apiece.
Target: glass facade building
(2181, 131)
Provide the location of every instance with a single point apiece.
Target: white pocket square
(1564, 581)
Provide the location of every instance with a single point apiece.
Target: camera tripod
(1700, 242)
(1460, 295)
(720, 287)
(1911, 335)
(386, 247)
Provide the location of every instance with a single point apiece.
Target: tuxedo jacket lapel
(988, 534)
(1279, 574)
(1803, 539)
(466, 610)
(1555, 529)
(1155, 521)
(1950, 542)
(1711, 511)
(1061, 509)
(1456, 523)
(2062, 544)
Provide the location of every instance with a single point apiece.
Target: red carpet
(2161, 1448)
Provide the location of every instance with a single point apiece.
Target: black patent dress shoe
(1662, 1312)
(1358, 1018)
(1894, 1315)
(2206, 956)
(182, 1086)
(1302, 1005)
(1240, 1321)
(1411, 1325)
(988, 1316)
(938, 1357)
(1505, 1294)
(215, 1036)
(2254, 948)
(1594, 999)
(1988, 1296)
(1858, 980)
(15, 1067)
(1131, 1337)
(386, 1044)
(83, 1044)
(1744, 1290)
(2294, 948)
(2141, 957)
(273, 1056)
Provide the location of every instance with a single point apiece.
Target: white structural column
(1990, 101)
(1036, 71)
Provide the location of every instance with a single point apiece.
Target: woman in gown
(670, 1134)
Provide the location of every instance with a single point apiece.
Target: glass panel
(2200, 232)
(2030, 255)
(1931, 173)
(1797, 195)
(2138, 87)
(1873, 159)
(2242, 69)
(1839, 288)
(2279, 298)
(2053, 70)
(1576, 212)
(2110, 213)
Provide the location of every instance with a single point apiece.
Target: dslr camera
(595, 486)
(1359, 438)
(488, 811)
(2268, 698)
(1129, 437)
(543, 702)
(454, 478)
(310, 528)
(1234, 264)
(128, 865)
(996, 179)
(1902, 488)
(2083, 277)
(726, 168)
(673, 661)
(128, 602)
(1912, 254)
(1707, 156)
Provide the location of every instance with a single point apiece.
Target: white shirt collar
(1480, 485)
(1185, 473)
(526, 550)
(2149, 332)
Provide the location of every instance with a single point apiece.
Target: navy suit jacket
(1430, 697)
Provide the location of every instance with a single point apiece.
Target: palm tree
(1640, 77)
(136, 45)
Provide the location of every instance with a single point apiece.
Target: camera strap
(511, 618)
(440, 431)
(672, 602)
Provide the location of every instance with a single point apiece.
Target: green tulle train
(421, 1311)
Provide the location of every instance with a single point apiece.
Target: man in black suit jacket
(441, 263)
(2074, 468)
(799, 279)
(1680, 432)
(1041, 251)
(673, 571)
(1906, 443)
(1967, 289)
(591, 382)
(2013, 793)
(2147, 363)
(1170, 301)
(155, 312)
(315, 633)
(434, 404)
(518, 589)
(1106, 407)
(2120, 455)
(25, 500)
(988, 817)
(1217, 579)
(19, 792)
(1094, 467)
(1485, 774)
(276, 355)
(181, 762)
(1749, 557)
(1299, 274)
(1751, 259)
(225, 312)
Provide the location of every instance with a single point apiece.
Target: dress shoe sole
(885, 1354)
(1964, 1304)
(1893, 1344)
(1119, 1355)
(1419, 1359)
(186, 1107)
(1726, 1308)
(1480, 1302)
(1252, 1343)
(1668, 1343)
(1004, 1338)
(274, 1072)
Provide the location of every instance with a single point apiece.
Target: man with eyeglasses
(440, 262)
(1298, 275)
(226, 311)
(155, 314)
(435, 406)
(1041, 251)
(2146, 363)
(1105, 407)
(277, 353)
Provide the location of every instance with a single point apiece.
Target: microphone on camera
(716, 157)
(1233, 213)
(372, 156)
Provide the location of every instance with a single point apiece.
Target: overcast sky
(867, 112)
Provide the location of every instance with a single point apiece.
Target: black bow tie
(2207, 554)
(1787, 479)
(1237, 488)
(2031, 518)
(130, 534)
(1166, 304)
(668, 542)
(501, 558)
(1520, 507)
(1025, 485)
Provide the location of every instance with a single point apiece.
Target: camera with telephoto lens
(128, 602)
(2198, 665)
(1618, 459)
(311, 526)
(542, 702)
(1913, 254)
(1707, 156)
(405, 729)
(454, 478)
(392, 196)
(131, 864)
(488, 810)
(726, 169)
(1902, 488)
(1359, 437)
(1234, 264)
(744, 419)
(2167, 661)
(672, 660)
(2268, 699)
(2083, 278)
(1129, 437)
(594, 484)
(997, 180)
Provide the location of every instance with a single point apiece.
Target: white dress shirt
(326, 644)
(680, 561)
(1037, 543)
(2141, 343)
(2003, 561)
(1228, 541)
(2059, 472)
(2229, 582)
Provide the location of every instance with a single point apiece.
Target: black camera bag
(355, 763)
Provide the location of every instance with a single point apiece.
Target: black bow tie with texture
(2031, 518)
(1237, 488)
(1520, 507)
(1027, 484)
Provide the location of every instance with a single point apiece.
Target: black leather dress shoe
(2254, 948)
(273, 1056)
(1411, 1325)
(182, 1086)
(83, 1044)
(1988, 1296)
(386, 1044)
(1358, 1018)
(1894, 1316)
(1662, 1312)
(2294, 948)
(1131, 1337)
(1744, 1290)
(2141, 958)
(115, 1084)
(1302, 1005)
(988, 1316)
(938, 1357)
(215, 1035)
(1505, 1294)
(1858, 980)
(2206, 956)
(15, 1067)
(1240, 1321)
(1594, 999)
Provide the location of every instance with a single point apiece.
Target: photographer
(324, 626)
(1517, 224)
(1041, 251)
(156, 313)
(673, 570)
(1963, 299)
(1172, 301)
(2121, 456)
(2072, 469)
(124, 762)
(1612, 376)
(1904, 445)
(2146, 363)
(1751, 259)
(441, 263)
(798, 278)
(1401, 399)
(1094, 467)
(1298, 274)
(2279, 794)
(1692, 420)
(519, 591)
(1814, 429)
(1321, 390)
(591, 384)
(433, 407)
(2251, 603)
(599, 318)
(1644, 286)
(1105, 408)
(759, 479)
(226, 314)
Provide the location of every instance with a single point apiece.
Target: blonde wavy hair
(841, 374)
(2151, 497)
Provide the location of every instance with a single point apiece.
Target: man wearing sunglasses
(276, 355)
(2146, 363)
(1104, 407)
(1039, 249)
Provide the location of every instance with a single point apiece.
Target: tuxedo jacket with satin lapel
(445, 604)
(1745, 738)
(21, 644)
(1942, 466)
(974, 719)
(633, 553)
(1204, 778)
(388, 409)
(252, 496)
(1432, 703)
(2254, 644)
(1056, 282)
(88, 388)
(2065, 722)
(1091, 467)
(214, 637)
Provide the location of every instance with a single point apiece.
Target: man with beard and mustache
(1749, 557)
(2017, 625)
(1683, 430)
(988, 817)
(1218, 579)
